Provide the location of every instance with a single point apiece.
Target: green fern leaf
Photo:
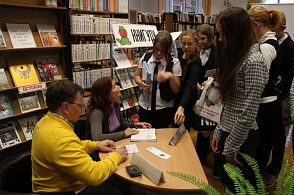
(193, 180)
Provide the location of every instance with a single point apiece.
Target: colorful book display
(20, 35)
(48, 35)
(8, 135)
(4, 84)
(23, 74)
(132, 73)
(2, 40)
(28, 102)
(123, 78)
(5, 107)
(27, 125)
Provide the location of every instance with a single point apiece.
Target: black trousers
(248, 147)
(158, 118)
(271, 135)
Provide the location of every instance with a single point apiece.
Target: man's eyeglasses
(184, 44)
(79, 105)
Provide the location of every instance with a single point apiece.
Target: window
(276, 1)
(177, 7)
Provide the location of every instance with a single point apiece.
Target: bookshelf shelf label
(32, 88)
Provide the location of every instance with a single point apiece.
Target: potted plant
(285, 184)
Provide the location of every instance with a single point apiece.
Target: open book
(145, 135)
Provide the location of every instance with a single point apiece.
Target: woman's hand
(215, 145)
(179, 116)
(130, 131)
(142, 125)
(145, 87)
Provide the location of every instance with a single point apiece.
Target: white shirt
(160, 103)
(204, 55)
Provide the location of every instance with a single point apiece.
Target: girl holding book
(156, 100)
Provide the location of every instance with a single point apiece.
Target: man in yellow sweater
(60, 160)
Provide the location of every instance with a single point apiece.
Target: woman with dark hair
(104, 120)
(156, 100)
(242, 75)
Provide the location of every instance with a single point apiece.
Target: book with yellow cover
(23, 74)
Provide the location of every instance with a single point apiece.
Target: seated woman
(104, 120)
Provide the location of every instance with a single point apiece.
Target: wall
(218, 5)
(288, 11)
(144, 5)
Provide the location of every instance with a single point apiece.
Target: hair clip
(269, 11)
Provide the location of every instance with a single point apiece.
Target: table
(184, 159)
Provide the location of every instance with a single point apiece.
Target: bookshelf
(91, 39)
(22, 59)
(181, 21)
(151, 19)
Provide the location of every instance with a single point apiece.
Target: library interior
(126, 97)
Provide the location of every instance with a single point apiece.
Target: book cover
(48, 35)
(44, 95)
(209, 104)
(5, 107)
(124, 78)
(20, 35)
(28, 102)
(55, 75)
(147, 135)
(127, 99)
(2, 40)
(8, 135)
(4, 84)
(27, 125)
(23, 74)
(132, 74)
(122, 58)
(43, 69)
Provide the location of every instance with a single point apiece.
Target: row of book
(182, 27)
(149, 18)
(123, 76)
(90, 52)
(191, 17)
(27, 102)
(120, 6)
(21, 35)
(129, 98)
(87, 77)
(26, 74)
(90, 24)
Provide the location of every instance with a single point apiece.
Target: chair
(80, 127)
(16, 175)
